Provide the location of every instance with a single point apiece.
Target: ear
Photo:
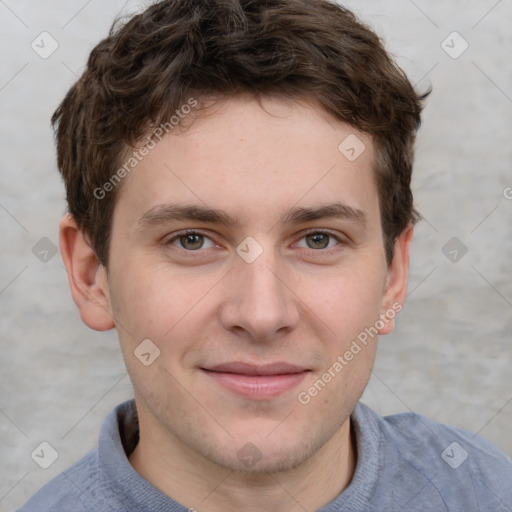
(396, 283)
(87, 277)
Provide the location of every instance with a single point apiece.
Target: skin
(299, 302)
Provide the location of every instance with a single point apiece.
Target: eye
(320, 240)
(191, 241)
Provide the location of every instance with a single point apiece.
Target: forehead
(254, 160)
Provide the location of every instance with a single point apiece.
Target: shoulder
(103, 479)
(455, 465)
(434, 441)
(67, 491)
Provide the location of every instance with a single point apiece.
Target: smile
(257, 382)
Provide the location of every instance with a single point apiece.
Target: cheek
(350, 308)
(347, 303)
(152, 302)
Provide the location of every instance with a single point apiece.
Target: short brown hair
(147, 68)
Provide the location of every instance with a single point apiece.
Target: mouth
(257, 382)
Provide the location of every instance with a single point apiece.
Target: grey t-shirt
(405, 462)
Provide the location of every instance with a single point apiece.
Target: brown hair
(146, 69)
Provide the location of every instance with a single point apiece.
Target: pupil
(191, 241)
(320, 241)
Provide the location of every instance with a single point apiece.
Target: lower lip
(257, 386)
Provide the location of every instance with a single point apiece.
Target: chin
(259, 454)
(251, 460)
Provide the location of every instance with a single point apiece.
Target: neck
(200, 484)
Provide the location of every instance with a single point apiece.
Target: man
(238, 181)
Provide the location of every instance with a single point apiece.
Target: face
(248, 249)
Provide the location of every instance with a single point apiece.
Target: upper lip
(278, 368)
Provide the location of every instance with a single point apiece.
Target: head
(230, 118)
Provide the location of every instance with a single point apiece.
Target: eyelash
(177, 236)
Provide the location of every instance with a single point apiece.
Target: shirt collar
(119, 435)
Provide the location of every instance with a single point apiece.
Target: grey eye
(317, 241)
(191, 241)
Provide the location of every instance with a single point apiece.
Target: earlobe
(87, 277)
(397, 279)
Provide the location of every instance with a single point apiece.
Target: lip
(257, 382)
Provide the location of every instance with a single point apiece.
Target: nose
(260, 302)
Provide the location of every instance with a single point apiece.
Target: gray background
(450, 355)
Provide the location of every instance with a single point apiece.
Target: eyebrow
(162, 214)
